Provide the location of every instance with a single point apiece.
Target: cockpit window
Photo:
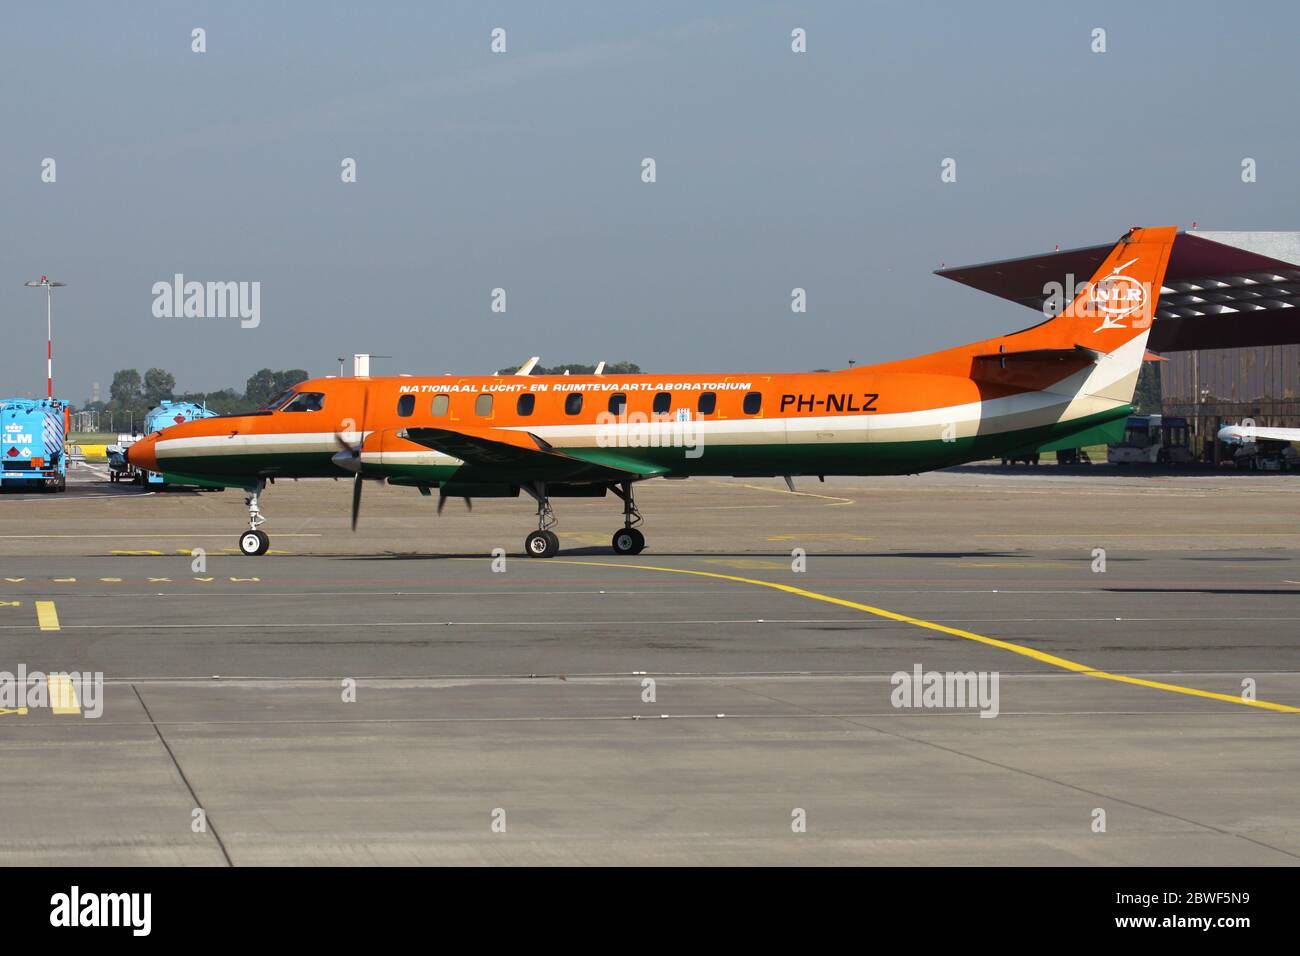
(271, 404)
(306, 402)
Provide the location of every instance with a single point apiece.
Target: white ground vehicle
(1151, 440)
(1261, 449)
(118, 469)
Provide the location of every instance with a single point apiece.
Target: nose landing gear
(254, 541)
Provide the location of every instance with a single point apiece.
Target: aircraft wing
(1241, 434)
(503, 454)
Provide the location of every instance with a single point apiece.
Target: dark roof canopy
(1217, 294)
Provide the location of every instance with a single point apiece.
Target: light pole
(44, 282)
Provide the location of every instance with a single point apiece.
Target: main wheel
(254, 543)
(542, 544)
(628, 541)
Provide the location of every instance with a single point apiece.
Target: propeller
(349, 458)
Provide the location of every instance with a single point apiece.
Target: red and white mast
(45, 283)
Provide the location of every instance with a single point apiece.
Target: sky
(523, 171)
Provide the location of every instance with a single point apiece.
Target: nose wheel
(254, 541)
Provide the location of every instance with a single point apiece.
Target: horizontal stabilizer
(1077, 354)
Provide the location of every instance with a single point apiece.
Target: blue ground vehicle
(165, 415)
(32, 452)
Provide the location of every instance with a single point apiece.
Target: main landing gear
(628, 539)
(254, 541)
(544, 543)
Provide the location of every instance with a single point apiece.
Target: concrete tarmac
(395, 696)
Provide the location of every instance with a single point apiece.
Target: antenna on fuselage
(600, 368)
(527, 367)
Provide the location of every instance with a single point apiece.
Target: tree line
(132, 395)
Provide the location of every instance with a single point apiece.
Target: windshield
(1136, 437)
(305, 402)
(271, 404)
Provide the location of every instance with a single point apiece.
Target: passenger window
(405, 405)
(483, 405)
(663, 402)
(525, 404)
(439, 407)
(708, 402)
(306, 402)
(753, 403)
(573, 403)
(617, 403)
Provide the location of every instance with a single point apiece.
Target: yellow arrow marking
(1050, 659)
(63, 695)
(128, 553)
(11, 603)
(47, 616)
(21, 711)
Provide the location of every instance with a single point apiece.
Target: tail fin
(1092, 348)
(1117, 305)
(1108, 319)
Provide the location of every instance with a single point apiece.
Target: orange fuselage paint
(1071, 370)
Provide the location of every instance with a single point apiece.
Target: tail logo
(1116, 297)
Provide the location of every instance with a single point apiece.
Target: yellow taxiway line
(1040, 656)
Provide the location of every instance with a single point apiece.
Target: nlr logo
(1117, 296)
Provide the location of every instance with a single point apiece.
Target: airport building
(1227, 323)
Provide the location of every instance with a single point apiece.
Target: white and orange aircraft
(585, 436)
